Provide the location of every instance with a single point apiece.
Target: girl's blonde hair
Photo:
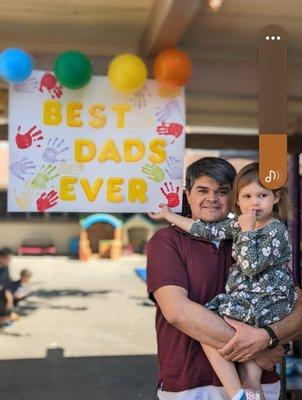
(250, 174)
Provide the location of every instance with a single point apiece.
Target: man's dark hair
(5, 251)
(216, 168)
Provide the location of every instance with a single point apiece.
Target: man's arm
(291, 325)
(200, 323)
(285, 330)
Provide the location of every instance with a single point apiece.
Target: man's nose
(213, 197)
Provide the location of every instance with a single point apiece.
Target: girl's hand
(248, 221)
(165, 210)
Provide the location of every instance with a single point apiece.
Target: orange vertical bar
(273, 106)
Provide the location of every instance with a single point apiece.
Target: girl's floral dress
(260, 288)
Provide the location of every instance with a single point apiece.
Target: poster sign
(94, 149)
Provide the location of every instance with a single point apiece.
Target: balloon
(73, 69)
(15, 65)
(127, 73)
(172, 68)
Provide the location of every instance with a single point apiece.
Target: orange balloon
(172, 68)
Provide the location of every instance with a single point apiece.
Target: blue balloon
(15, 65)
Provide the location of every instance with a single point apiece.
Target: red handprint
(50, 83)
(171, 195)
(167, 128)
(46, 201)
(24, 140)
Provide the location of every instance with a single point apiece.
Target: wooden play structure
(137, 231)
(100, 235)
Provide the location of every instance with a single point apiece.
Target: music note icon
(272, 176)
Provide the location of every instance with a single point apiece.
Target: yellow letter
(91, 192)
(73, 114)
(95, 110)
(157, 146)
(120, 110)
(66, 188)
(79, 155)
(52, 112)
(137, 190)
(114, 191)
(140, 150)
(109, 152)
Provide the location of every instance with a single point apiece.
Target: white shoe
(252, 394)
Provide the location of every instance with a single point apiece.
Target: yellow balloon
(127, 73)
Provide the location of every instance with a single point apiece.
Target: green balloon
(73, 69)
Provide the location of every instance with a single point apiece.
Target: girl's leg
(250, 376)
(225, 370)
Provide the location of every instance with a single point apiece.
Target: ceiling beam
(168, 21)
(235, 142)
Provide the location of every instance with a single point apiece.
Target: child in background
(260, 288)
(17, 288)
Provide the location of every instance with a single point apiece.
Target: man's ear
(188, 195)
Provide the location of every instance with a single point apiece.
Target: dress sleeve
(225, 229)
(164, 262)
(260, 249)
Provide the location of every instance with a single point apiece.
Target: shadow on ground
(29, 305)
(79, 378)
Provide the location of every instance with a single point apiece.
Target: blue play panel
(142, 273)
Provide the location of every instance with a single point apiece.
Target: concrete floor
(86, 332)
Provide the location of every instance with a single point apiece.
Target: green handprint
(153, 172)
(25, 198)
(46, 174)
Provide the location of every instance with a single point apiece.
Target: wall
(13, 233)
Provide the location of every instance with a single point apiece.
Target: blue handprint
(53, 150)
(22, 167)
(164, 113)
(174, 168)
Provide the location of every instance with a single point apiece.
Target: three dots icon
(273, 37)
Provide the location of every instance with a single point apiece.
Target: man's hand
(269, 358)
(246, 344)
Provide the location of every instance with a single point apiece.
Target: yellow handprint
(24, 200)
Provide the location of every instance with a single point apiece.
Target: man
(183, 274)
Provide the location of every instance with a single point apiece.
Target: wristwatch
(274, 341)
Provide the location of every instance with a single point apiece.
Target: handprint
(166, 112)
(50, 83)
(174, 168)
(24, 140)
(47, 200)
(53, 150)
(153, 172)
(22, 167)
(65, 168)
(139, 98)
(170, 129)
(27, 86)
(24, 200)
(169, 92)
(171, 195)
(46, 174)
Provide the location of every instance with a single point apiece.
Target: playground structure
(100, 234)
(104, 235)
(137, 230)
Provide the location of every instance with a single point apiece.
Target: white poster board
(94, 149)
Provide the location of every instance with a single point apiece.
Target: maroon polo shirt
(176, 258)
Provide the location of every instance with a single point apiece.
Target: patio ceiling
(223, 46)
